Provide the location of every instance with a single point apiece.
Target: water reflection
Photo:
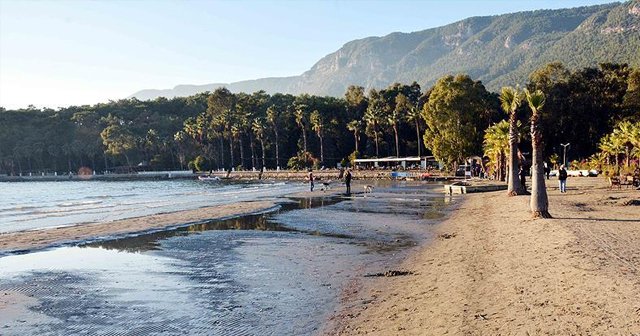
(258, 222)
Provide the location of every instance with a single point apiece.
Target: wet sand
(495, 271)
(30, 240)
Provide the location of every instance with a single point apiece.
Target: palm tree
(610, 147)
(272, 118)
(301, 120)
(372, 117)
(317, 124)
(258, 129)
(539, 200)
(414, 116)
(402, 105)
(496, 146)
(355, 126)
(510, 100)
(627, 135)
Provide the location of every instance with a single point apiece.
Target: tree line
(224, 130)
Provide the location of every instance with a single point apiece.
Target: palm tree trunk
(395, 132)
(263, 154)
(627, 155)
(304, 139)
(355, 139)
(376, 138)
(231, 152)
(418, 136)
(539, 200)
(241, 152)
(321, 150)
(253, 151)
(275, 130)
(221, 152)
(513, 187)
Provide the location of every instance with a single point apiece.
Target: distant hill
(499, 50)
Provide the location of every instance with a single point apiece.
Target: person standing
(523, 177)
(547, 169)
(562, 177)
(347, 181)
(311, 179)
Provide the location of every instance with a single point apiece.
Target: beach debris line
(389, 273)
(447, 235)
(631, 202)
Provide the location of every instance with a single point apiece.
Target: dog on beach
(368, 189)
(326, 185)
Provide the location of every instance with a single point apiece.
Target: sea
(40, 205)
(286, 272)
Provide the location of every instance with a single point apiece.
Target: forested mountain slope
(498, 50)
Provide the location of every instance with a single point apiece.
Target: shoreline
(494, 270)
(268, 175)
(28, 241)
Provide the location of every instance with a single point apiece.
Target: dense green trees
(228, 130)
(457, 112)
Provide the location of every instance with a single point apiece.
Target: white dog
(368, 189)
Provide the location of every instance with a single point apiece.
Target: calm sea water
(38, 205)
(277, 273)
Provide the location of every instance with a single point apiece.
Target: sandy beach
(495, 271)
(29, 240)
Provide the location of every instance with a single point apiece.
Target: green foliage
(302, 161)
(238, 130)
(351, 160)
(456, 113)
(200, 163)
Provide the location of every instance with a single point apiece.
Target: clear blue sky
(60, 53)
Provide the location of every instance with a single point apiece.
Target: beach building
(411, 162)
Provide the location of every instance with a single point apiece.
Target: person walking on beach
(562, 177)
(547, 169)
(311, 179)
(347, 181)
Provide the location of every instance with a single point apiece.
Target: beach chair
(614, 181)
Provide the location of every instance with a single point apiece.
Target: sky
(56, 53)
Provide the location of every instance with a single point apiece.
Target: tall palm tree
(317, 124)
(395, 116)
(414, 116)
(258, 129)
(272, 118)
(510, 100)
(539, 200)
(372, 117)
(301, 120)
(355, 126)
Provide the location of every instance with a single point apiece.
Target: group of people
(347, 180)
(562, 178)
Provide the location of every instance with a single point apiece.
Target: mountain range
(498, 50)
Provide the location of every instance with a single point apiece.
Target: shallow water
(271, 274)
(37, 205)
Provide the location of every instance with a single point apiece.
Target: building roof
(396, 159)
